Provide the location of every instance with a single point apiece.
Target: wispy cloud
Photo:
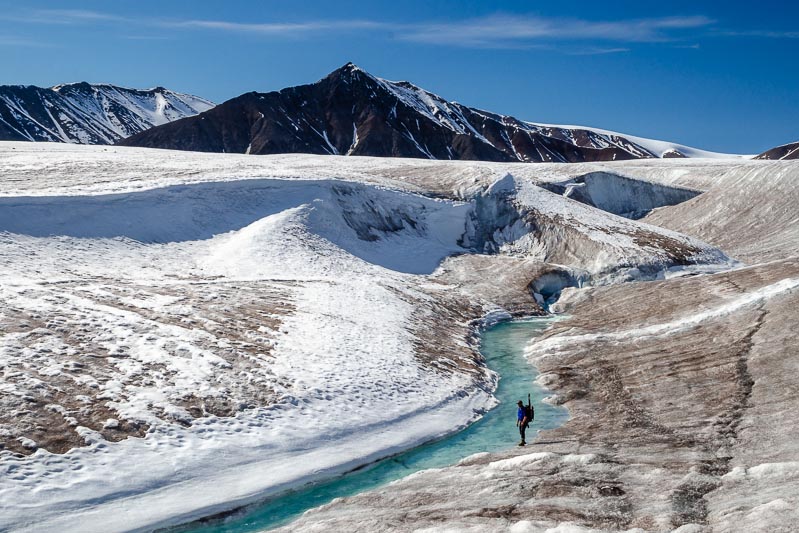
(278, 28)
(78, 14)
(11, 41)
(494, 31)
(597, 51)
(505, 29)
(762, 33)
(63, 16)
(493, 27)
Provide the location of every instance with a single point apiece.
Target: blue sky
(716, 75)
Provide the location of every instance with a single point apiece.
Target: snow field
(553, 346)
(336, 370)
(253, 318)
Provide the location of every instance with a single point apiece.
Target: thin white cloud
(762, 33)
(494, 31)
(78, 16)
(71, 16)
(598, 51)
(11, 41)
(278, 28)
(146, 37)
(506, 29)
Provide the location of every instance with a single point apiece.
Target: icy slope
(270, 340)
(748, 211)
(682, 419)
(681, 392)
(89, 114)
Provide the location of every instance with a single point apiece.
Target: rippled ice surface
(503, 347)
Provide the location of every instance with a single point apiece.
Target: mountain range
(348, 112)
(89, 114)
(351, 112)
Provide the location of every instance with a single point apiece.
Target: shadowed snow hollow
(621, 195)
(393, 229)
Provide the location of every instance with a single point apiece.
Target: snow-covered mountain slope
(784, 152)
(255, 323)
(351, 112)
(89, 114)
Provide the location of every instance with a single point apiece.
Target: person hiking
(522, 420)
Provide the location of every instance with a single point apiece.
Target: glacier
(196, 312)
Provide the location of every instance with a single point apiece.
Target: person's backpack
(529, 412)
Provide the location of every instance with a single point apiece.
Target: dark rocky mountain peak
(351, 112)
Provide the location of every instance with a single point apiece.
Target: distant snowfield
(299, 281)
(40, 169)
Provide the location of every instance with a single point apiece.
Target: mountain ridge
(86, 113)
(783, 152)
(352, 112)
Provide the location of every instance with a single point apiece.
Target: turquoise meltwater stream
(503, 348)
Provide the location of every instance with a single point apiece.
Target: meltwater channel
(503, 348)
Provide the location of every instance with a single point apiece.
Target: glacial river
(503, 347)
